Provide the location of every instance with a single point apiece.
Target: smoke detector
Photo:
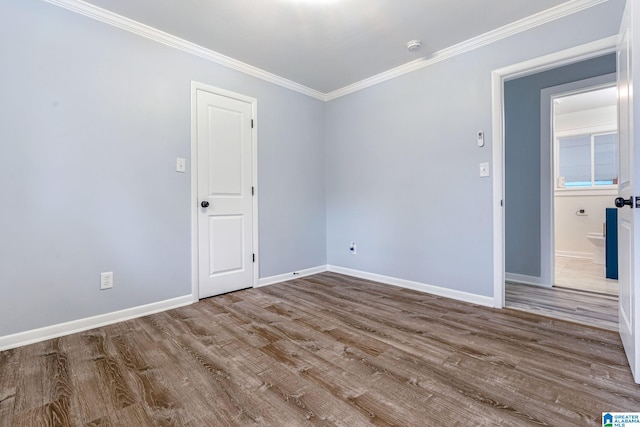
(414, 45)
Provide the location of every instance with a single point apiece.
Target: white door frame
(195, 86)
(498, 77)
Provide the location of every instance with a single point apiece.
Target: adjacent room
(299, 212)
(557, 207)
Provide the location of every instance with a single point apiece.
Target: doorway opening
(524, 251)
(585, 182)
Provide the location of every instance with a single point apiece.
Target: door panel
(225, 217)
(226, 243)
(623, 70)
(225, 154)
(628, 216)
(624, 245)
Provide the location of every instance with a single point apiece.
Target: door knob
(622, 202)
(205, 204)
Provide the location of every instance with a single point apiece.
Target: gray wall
(523, 221)
(92, 119)
(402, 161)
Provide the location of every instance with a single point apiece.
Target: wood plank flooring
(599, 310)
(324, 350)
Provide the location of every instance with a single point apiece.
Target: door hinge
(253, 191)
(254, 257)
(251, 123)
(502, 203)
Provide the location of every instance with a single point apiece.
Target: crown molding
(110, 18)
(503, 32)
(379, 78)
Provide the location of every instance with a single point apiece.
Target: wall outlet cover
(106, 280)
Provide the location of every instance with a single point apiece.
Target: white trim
(580, 255)
(254, 183)
(416, 286)
(135, 27)
(559, 59)
(54, 331)
(525, 280)
(498, 77)
(497, 130)
(110, 18)
(194, 193)
(608, 190)
(195, 86)
(386, 75)
(493, 36)
(272, 280)
(591, 130)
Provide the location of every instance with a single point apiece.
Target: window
(587, 161)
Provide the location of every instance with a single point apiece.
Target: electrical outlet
(106, 280)
(352, 248)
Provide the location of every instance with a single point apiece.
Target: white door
(629, 175)
(225, 217)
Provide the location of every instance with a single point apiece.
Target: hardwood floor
(322, 350)
(599, 310)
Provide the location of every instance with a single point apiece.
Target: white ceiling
(600, 98)
(325, 45)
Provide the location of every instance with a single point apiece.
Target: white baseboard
(524, 279)
(54, 331)
(290, 276)
(416, 286)
(582, 255)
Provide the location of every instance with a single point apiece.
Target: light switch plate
(181, 164)
(484, 170)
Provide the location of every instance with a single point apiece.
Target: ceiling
(325, 45)
(599, 98)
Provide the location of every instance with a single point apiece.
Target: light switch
(484, 170)
(181, 164)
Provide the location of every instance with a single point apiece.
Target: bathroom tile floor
(583, 274)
